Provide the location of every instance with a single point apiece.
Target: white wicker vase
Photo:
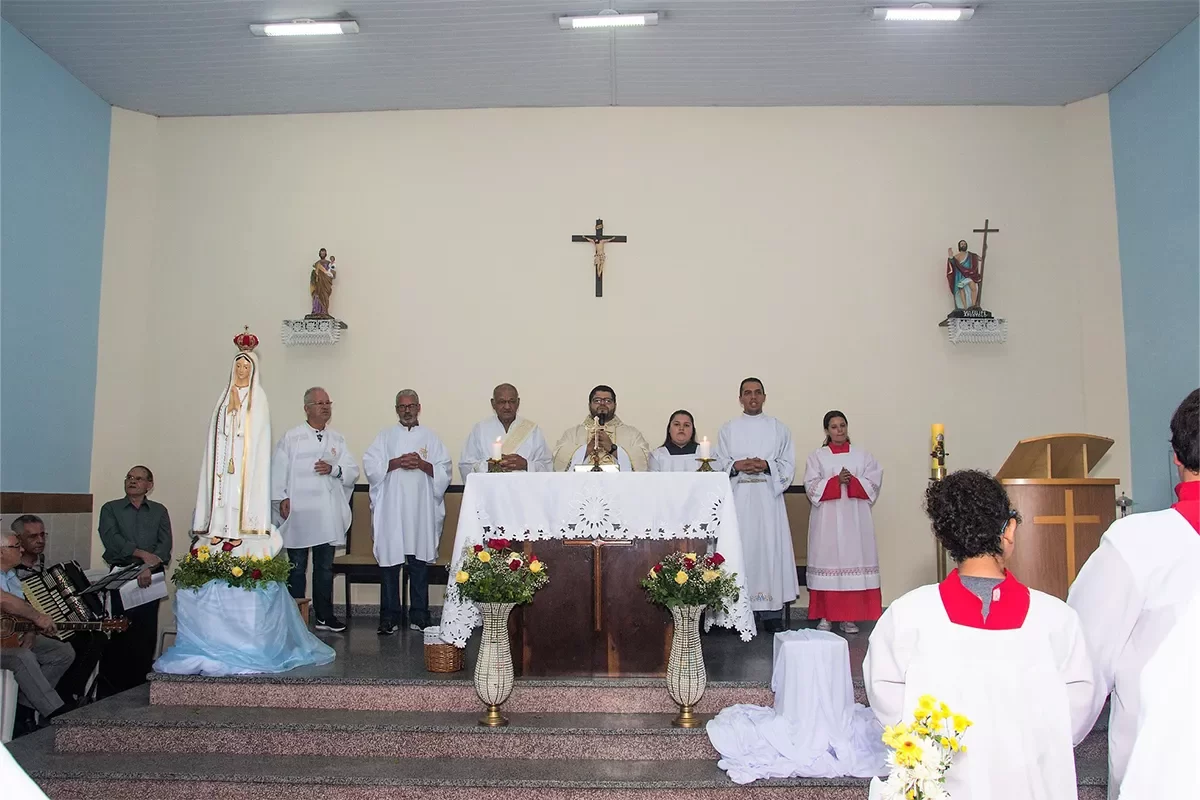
(686, 676)
(494, 665)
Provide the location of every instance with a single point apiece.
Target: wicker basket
(441, 656)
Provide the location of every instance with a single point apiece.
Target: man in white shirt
(522, 446)
(1133, 590)
(409, 469)
(312, 479)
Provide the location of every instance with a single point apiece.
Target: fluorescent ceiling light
(923, 12)
(608, 19)
(305, 27)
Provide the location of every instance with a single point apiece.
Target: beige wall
(805, 246)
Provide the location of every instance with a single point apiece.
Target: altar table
(600, 534)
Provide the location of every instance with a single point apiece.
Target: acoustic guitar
(11, 628)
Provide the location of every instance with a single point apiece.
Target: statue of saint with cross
(964, 272)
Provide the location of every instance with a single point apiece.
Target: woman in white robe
(233, 499)
(678, 451)
(842, 483)
(1011, 659)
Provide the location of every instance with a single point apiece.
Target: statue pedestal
(312, 331)
(974, 325)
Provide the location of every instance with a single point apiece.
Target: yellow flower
(681, 577)
(203, 548)
(710, 575)
(535, 566)
(961, 723)
(484, 556)
(954, 745)
(236, 572)
(253, 557)
(692, 556)
(944, 710)
(926, 702)
(461, 577)
(920, 730)
(202, 555)
(963, 749)
(944, 742)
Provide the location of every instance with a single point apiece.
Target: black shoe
(332, 624)
(387, 628)
(773, 626)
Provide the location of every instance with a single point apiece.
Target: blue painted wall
(1156, 162)
(53, 181)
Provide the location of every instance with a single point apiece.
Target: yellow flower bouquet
(922, 751)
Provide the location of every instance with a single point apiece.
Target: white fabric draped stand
(597, 505)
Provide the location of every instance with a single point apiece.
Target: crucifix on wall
(598, 240)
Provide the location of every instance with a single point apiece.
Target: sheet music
(133, 595)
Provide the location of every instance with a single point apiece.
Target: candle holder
(705, 464)
(494, 465)
(937, 472)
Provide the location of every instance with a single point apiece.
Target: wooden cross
(598, 240)
(1068, 520)
(985, 230)
(597, 594)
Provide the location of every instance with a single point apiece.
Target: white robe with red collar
(1023, 677)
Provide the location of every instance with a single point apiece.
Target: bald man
(522, 446)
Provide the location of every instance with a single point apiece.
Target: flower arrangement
(686, 579)
(494, 572)
(202, 565)
(921, 752)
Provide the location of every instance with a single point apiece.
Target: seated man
(88, 645)
(38, 661)
(602, 437)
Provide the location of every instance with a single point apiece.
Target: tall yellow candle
(935, 430)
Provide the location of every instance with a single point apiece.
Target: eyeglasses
(604, 401)
(407, 406)
(322, 405)
(11, 546)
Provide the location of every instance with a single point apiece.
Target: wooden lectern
(1064, 512)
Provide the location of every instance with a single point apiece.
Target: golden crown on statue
(246, 341)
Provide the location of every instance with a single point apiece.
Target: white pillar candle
(496, 449)
(705, 448)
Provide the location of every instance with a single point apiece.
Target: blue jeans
(418, 592)
(322, 584)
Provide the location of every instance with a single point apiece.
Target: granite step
(253, 776)
(529, 696)
(127, 724)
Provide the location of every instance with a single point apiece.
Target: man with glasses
(522, 446)
(408, 469)
(39, 661)
(88, 645)
(602, 438)
(312, 480)
(134, 529)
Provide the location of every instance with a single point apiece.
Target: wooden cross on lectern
(598, 240)
(1068, 519)
(597, 586)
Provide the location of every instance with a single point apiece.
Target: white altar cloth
(597, 505)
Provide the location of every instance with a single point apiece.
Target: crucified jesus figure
(598, 259)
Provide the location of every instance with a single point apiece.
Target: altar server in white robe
(602, 437)
(1010, 659)
(756, 450)
(522, 446)
(408, 469)
(680, 450)
(312, 476)
(1135, 587)
(842, 483)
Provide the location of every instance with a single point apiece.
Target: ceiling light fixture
(305, 27)
(609, 18)
(923, 12)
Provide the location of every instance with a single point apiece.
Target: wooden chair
(358, 565)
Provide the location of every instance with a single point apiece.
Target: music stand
(113, 581)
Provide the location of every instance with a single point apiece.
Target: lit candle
(936, 430)
(705, 448)
(496, 449)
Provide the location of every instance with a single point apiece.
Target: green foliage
(495, 573)
(686, 579)
(202, 565)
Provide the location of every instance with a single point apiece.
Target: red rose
(716, 559)
(478, 548)
(658, 567)
(498, 544)
(227, 547)
(688, 563)
(195, 552)
(515, 564)
(256, 574)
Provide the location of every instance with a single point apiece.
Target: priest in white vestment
(756, 450)
(1010, 659)
(602, 437)
(1135, 587)
(679, 449)
(233, 498)
(522, 446)
(408, 469)
(842, 483)
(312, 477)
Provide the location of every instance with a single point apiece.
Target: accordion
(55, 591)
